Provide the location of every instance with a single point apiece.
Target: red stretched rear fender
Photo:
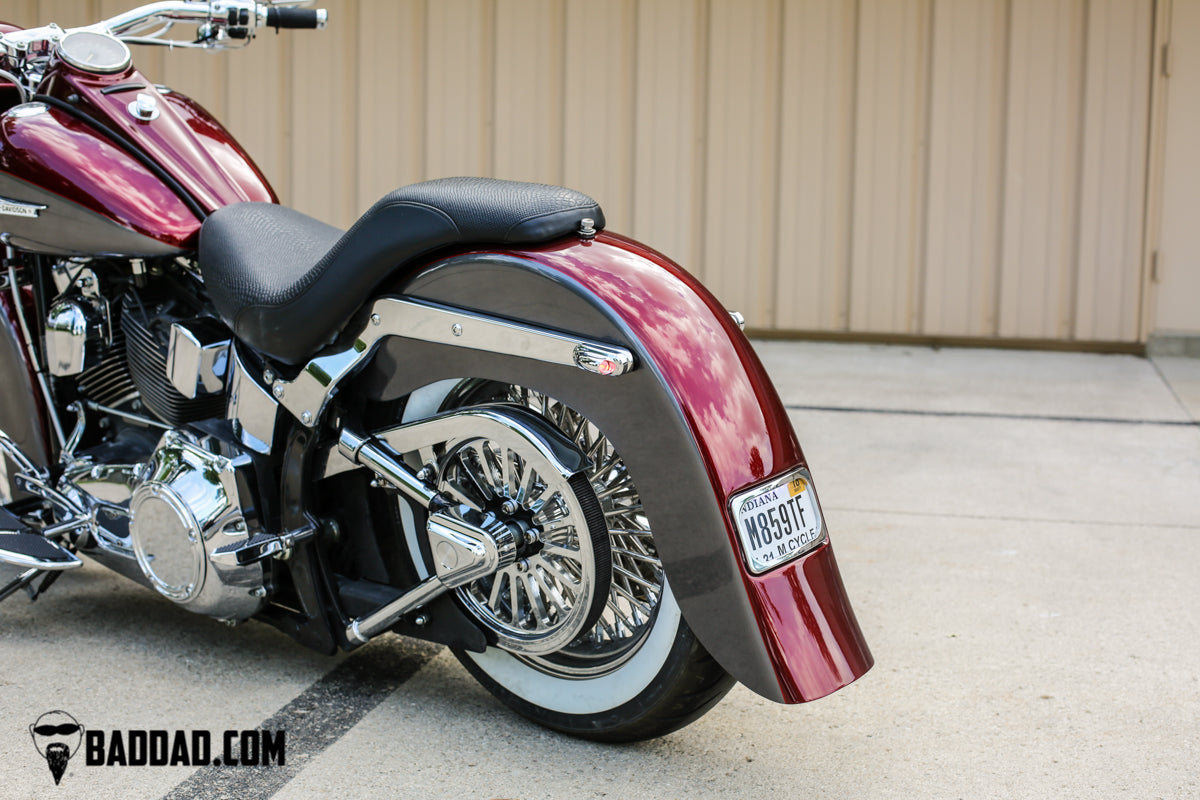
(804, 615)
(697, 422)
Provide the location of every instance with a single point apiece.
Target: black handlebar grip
(288, 17)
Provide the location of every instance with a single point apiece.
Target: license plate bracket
(779, 521)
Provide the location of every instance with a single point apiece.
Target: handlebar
(295, 17)
(233, 13)
(218, 21)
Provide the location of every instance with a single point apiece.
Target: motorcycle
(477, 417)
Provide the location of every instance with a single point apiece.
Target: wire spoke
(598, 447)
(633, 599)
(602, 623)
(623, 511)
(642, 532)
(635, 577)
(647, 558)
(625, 485)
(579, 437)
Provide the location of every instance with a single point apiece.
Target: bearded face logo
(57, 736)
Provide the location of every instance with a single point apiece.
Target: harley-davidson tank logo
(15, 208)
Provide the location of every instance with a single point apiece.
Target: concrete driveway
(1020, 535)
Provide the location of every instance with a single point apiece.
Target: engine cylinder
(148, 346)
(186, 507)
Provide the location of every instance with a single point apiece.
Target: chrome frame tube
(15, 290)
(141, 420)
(362, 450)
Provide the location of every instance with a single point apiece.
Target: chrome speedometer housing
(94, 51)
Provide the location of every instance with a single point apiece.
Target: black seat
(287, 283)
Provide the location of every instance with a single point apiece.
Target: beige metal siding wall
(1174, 296)
(959, 168)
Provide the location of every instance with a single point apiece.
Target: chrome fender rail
(307, 397)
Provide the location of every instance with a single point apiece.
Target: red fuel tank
(68, 186)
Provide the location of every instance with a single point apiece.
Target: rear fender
(696, 422)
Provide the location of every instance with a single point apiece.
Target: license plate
(778, 522)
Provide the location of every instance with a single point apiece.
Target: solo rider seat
(287, 284)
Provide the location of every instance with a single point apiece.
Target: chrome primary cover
(186, 507)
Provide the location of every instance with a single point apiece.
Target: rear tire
(669, 682)
(638, 671)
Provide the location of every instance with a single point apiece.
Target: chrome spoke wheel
(516, 598)
(552, 592)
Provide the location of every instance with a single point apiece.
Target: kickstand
(23, 581)
(33, 593)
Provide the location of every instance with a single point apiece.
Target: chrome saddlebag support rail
(307, 396)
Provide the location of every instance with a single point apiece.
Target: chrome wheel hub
(547, 596)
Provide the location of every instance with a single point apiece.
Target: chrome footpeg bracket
(259, 547)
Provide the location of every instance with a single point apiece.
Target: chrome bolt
(277, 390)
(426, 473)
(421, 620)
(532, 535)
(456, 329)
(509, 507)
(587, 228)
(523, 565)
(269, 377)
(306, 417)
(258, 591)
(375, 319)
